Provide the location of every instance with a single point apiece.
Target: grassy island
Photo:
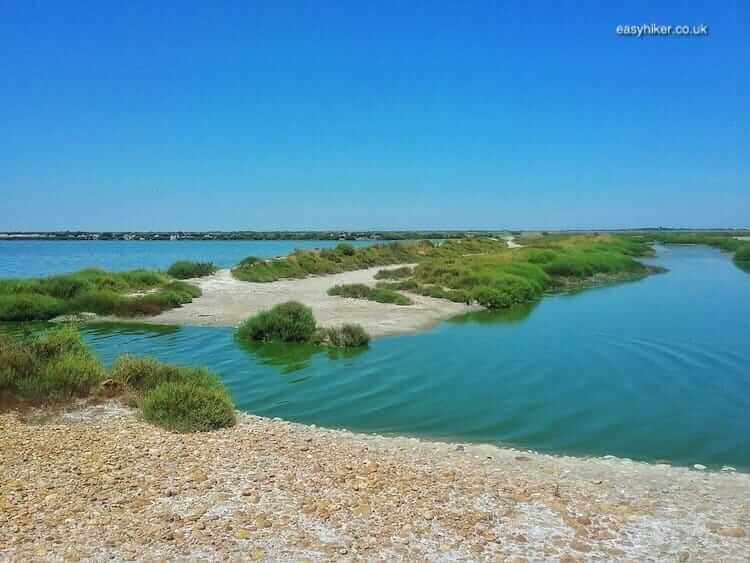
(124, 294)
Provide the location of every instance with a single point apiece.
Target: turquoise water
(22, 258)
(654, 369)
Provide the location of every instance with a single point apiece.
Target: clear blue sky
(314, 115)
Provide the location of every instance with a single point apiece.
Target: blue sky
(371, 115)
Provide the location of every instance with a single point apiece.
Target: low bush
(139, 374)
(52, 366)
(395, 274)
(406, 285)
(29, 307)
(389, 296)
(185, 269)
(743, 253)
(188, 406)
(345, 336)
(352, 290)
(362, 291)
(287, 322)
(139, 292)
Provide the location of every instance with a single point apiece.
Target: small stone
(459, 448)
(731, 532)
(699, 467)
(728, 468)
(683, 556)
(580, 546)
(242, 535)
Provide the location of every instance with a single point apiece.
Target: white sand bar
(227, 301)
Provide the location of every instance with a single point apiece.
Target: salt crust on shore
(97, 483)
(227, 301)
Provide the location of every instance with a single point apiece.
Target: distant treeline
(249, 235)
(327, 235)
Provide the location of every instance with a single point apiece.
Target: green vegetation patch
(188, 406)
(395, 274)
(498, 279)
(48, 367)
(125, 294)
(293, 322)
(343, 258)
(56, 365)
(287, 322)
(346, 336)
(185, 269)
(362, 291)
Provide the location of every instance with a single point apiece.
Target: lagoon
(657, 369)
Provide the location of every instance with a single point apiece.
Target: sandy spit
(99, 484)
(227, 301)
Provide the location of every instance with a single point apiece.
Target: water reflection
(289, 358)
(514, 315)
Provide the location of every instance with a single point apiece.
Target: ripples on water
(655, 369)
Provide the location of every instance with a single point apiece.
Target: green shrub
(389, 296)
(93, 291)
(287, 322)
(395, 274)
(352, 290)
(362, 291)
(743, 253)
(345, 336)
(137, 374)
(29, 307)
(406, 285)
(184, 269)
(182, 406)
(55, 365)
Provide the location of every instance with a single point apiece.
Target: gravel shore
(97, 483)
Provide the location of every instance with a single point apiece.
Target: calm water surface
(32, 258)
(656, 369)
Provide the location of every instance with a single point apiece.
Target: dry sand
(227, 301)
(99, 484)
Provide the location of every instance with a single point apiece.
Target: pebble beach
(96, 483)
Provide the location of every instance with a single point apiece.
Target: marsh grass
(125, 294)
(362, 291)
(294, 323)
(345, 257)
(56, 366)
(287, 322)
(395, 274)
(185, 269)
(189, 406)
(348, 335)
(48, 367)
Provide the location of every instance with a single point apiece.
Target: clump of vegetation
(189, 406)
(343, 258)
(125, 294)
(395, 274)
(46, 368)
(362, 291)
(287, 322)
(499, 279)
(185, 269)
(57, 366)
(293, 322)
(346, 336)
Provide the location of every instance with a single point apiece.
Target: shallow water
(657, 369)
(32, 258)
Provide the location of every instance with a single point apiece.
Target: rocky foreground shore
(97, 483)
